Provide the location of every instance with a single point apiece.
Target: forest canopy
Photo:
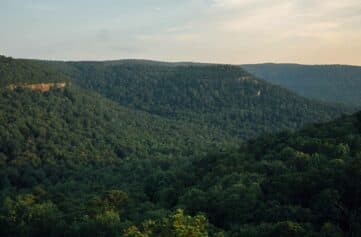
(139, 149)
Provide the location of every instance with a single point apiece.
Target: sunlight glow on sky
(223, 31)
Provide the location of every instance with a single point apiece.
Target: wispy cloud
(231, 3)
(230, 31)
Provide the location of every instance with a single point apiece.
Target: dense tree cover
(176, 225)
(14, 71)
(67, 155)
(219, 96)
(330, 83)
(301, 184)
(73, 163)
(76, 126)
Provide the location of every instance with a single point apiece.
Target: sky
(218, 31)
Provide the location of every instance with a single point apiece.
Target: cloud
(286, 18)
(231, 3)
(251, 31)
(229, 31)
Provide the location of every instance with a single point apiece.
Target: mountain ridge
(328, 83)
(215, 95)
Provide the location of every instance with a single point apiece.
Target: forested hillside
(14, 71)
(330, 83)
(140, 149)
(288, 184)
(75, 126)
(64, 150)
(217, 96)
(65, 172)
(302, 184)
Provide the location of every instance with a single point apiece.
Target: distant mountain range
(330, 83)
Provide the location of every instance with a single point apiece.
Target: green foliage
(176, 225)
(221, 97)
(73, 163)
(13, 71)
(302, 184)
(43, 128)
(26, 216)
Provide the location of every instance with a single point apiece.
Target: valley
(141, 148)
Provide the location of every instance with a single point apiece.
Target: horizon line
(176, 61)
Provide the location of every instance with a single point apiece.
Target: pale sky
(222, 31)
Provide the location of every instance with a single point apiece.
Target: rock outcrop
(42, 87)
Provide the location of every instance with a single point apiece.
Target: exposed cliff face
(42, 87)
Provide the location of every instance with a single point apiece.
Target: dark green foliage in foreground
(176, 225)
(66, 156)
(307, 184)
(330, 83)
(301, 184)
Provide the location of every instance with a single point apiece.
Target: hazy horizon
(206, 31)
(178, 61)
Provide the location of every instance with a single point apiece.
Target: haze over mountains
(123, 142)
(330, 83)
